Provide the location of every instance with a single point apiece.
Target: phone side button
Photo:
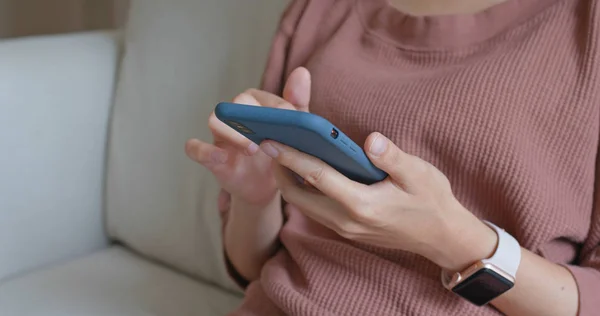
(348, 145)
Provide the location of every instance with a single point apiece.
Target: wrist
(465, 240)
(238, 203)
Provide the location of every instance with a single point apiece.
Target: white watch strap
(508, 252)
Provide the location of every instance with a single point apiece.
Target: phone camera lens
(334, 133)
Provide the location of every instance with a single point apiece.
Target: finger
(316, 172)
(231, 136)
(297, 89)
(267, 99)
(246, 98)
(314, 205)
(204, 153)
(303, 182)
(403, 168)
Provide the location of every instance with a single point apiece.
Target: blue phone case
(306, 132)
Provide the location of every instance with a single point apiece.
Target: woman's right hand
(239, 166)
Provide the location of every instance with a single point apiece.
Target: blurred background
(114, 219)
(37, 17)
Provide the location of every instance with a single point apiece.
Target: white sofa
(101, 213)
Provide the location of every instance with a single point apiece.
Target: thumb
(297, 89)
(400, 166)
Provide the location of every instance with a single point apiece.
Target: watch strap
(507, 256)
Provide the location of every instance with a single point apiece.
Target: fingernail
(378, 146)
(219, 157)
(244, 98)
(270, 150)
(252, 148)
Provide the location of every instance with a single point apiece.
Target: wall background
(36, 17)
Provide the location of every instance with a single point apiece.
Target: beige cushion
(55, 98)
(182, 57)
(112, 282)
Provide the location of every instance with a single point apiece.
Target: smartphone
(306, 132)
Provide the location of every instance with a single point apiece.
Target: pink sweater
(505, 102)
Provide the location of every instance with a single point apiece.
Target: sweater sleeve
(587, 277)
(272, 81)
(587, 271)
(276, 69)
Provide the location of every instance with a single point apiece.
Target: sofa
(101, 213)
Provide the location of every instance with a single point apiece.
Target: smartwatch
(489, 278)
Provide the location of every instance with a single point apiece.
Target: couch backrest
(181, 58)
(55, 98)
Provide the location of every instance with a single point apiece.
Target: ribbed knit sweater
(505, 102)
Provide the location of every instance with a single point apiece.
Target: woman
(484, 114)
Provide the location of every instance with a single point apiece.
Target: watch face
(483, 286)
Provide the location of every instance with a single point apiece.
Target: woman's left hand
(413, 209)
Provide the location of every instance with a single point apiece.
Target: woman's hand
(240, 168)
(412, 210)
(249, 195)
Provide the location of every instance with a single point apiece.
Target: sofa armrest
(56, 94)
